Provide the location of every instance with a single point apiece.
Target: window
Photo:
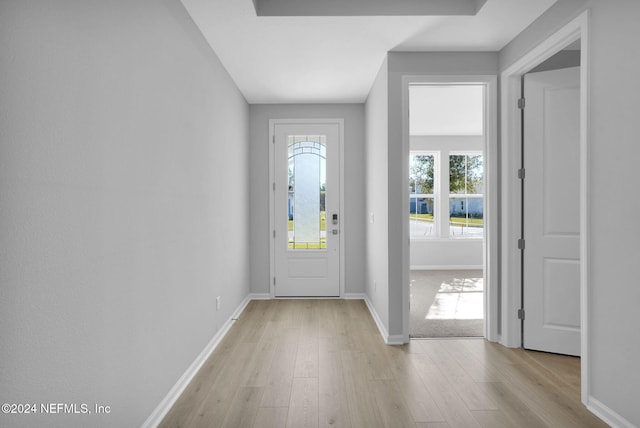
(464, 172)
(466, 194)
(421, 194)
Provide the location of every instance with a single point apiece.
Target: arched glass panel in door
(307, 192)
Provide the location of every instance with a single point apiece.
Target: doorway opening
(447, 140)
(512, 274)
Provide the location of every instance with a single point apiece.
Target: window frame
(442, 195)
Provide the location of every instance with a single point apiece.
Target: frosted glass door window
(307, 192)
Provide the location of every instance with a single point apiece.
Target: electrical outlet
(218, 303)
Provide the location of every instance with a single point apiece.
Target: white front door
(306, 209)
(552, 211)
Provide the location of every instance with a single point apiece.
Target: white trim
(490, 151)
(510, 262)
(608, 415)
(376, 318)
(272, 226)
(467, 238)
(446, 267)
(308, 298)
(394, 339)
(260, 296)
(155, 418)
(354, 296)
(578, 28)
(585, 298)
(343, 223)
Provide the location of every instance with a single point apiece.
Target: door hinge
(274, 233)
(274, 281)
(273, 138)
(274, 186)
(521, 103)
(520, 244)
(521, 174)
(521, 314)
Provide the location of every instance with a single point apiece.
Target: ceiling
(334, 59)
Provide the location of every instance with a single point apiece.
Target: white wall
(614, 293)
(353, 230)
(447, 142)
(123, 187)
(399, 65)
(375, 216)
(438, 254)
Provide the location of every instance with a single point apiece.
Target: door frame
(490, 151)
(511, 153)
(343, 223)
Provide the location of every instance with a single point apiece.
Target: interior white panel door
(307, 209)
(552, 211)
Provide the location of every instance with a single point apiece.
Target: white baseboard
(174, 393)
(395, 339)
(259, 296)
(345, 296)
(608, 415)
(376, 318)
(354, 296)
(446, 267)
(389, 339)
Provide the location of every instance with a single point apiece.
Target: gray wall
(377, 163)
(123, 187)
(415, 63)
(556, 17)
(615, 290)
(353, 226)
(563, 59)
(613, 143)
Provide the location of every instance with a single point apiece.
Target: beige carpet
(446, 303)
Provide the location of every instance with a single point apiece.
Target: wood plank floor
(318, 363)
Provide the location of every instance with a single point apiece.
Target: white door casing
(491, 265)
(306, 259)
(552, 211)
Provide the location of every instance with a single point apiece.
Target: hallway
(322, 362)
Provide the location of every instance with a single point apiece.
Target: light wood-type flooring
(321, 363)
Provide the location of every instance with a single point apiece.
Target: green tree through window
(465, 174)
(421, 174)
